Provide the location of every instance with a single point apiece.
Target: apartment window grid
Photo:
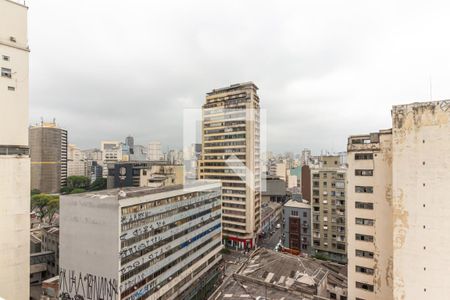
(213, 242)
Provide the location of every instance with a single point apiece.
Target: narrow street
(271, 240)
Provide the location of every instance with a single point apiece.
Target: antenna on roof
(431, 89)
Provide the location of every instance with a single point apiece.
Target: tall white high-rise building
(154, 151)
(14, 153)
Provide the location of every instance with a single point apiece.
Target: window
(362, 253)
(364, 237)
(6, 72)
(363, 205)
(364, 172)
(363, 156)
(361, 221)
(364, 286)
(364, 270)
(294, 213)
(11, 88)
(364, 189)
(5, 57)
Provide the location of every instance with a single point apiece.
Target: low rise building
(297, 226)
(273, 275)
(141, 243)
(270, 216)
(50, 242)
(275, 190)
(144, 174)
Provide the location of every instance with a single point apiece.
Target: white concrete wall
(421, 203)
(89, 245)
(15, 170)
(14, 104)
(14, 227)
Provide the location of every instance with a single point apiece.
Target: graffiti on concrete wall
(75, 285)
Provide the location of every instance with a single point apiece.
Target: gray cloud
(325, 69)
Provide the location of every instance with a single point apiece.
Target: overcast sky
(325, 69)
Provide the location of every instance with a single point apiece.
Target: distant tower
(129, 140)
(48, 151)
(154, 151)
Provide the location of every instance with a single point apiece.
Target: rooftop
(269, 208)
(297, 204)
(130, 192)
(282, 276)
(235, 86)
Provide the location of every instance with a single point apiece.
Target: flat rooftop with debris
(272, 275)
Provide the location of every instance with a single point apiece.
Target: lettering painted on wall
(75, 285)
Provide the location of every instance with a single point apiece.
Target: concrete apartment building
(297, 226)
(154, 151)
(142, 243)
(369, 215)
(144, 174)
(328, 209)
(230, 153)
(94, 163)
(397, 200)
(111, 153)
(48, 151)
(275, 190)
(76, 163)
(14, 153)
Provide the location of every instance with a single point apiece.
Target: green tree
(66, 190)
(78, 182)
(98, 184)
(52, 208)
(45, 205)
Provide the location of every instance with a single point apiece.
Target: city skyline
(104, 77)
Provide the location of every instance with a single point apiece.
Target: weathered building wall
(421, 203)
(14, 227)
(89, 247)
(14, 158)
(379, 250)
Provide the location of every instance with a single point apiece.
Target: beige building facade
(14, 153)
(76, 162)
(369, 216)
(230, 153)
(421, 201)
(328, 209)
(398, 206)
